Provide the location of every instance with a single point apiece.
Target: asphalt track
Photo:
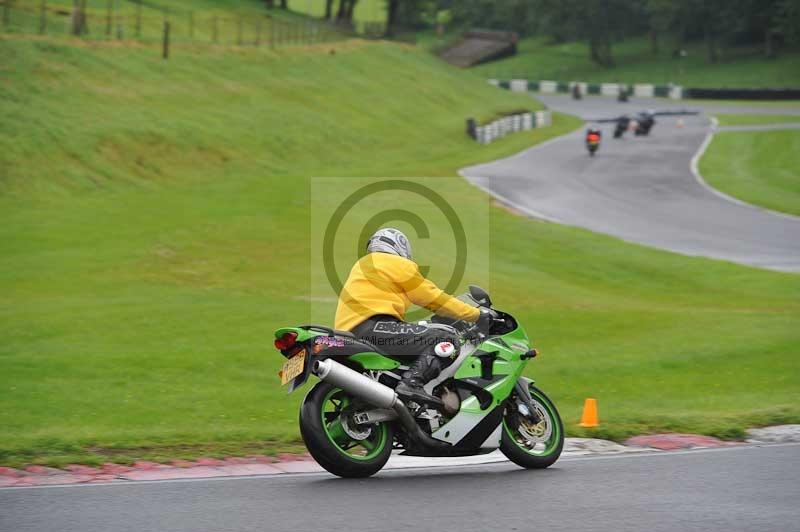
(643, 189)
(729, 489)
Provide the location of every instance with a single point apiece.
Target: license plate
(293, 367)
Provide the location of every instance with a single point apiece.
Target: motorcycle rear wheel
(329, 439)
(535, 446)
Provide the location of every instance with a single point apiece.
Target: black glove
(486, 319)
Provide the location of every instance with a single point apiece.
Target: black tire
(512, 450)
(325, 451)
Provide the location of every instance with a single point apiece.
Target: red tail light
(286, 341)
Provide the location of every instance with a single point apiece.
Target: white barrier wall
(543, 118)
(609, 89)
(519, 85)
(511, 124)
(548, 86)
(644, 90)
(527, 121)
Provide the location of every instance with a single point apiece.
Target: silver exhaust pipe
(341, 376)
(351, 381)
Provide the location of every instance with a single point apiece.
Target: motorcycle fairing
(322, 342)
(475, 419)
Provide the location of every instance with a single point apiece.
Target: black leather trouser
(413, 344)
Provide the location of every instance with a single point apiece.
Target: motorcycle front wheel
(336, 442)
(533, 445)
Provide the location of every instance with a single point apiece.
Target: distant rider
(381, 287)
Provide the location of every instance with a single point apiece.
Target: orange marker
(589, 418)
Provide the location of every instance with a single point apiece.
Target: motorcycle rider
(381, 287)
(593, 134)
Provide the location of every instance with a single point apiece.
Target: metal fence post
(258, 32)
(214, 29)
(165, 50)
(191, 25)
(119, 20)
(6, 13)
(109, 22)
(239, 30)
(43, 17)
(138, 19)
(271, 33)
(73, 17)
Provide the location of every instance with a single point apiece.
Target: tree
(790, 21)
(773, 22)
(598, 22)
(660, 17)
(392, 8)
(719, 24)
(351, 6)
(406, 14)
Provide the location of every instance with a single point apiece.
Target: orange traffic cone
(589, 417)
(680, 122)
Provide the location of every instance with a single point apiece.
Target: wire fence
(137, 20)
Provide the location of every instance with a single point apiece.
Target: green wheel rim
(333, 404)
(544, 446)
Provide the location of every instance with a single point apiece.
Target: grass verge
(155, 232)
(751, 119)
(537, 59)
(766, 104)
(759, 167)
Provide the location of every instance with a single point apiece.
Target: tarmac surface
(643, 189)
(739, 488)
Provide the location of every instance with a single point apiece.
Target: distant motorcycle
(644, 123)
(623, 122)
(593, 136)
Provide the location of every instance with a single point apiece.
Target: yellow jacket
(382, 283)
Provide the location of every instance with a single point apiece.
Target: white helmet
(390, 240)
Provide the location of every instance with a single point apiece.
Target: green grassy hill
(155, 232)
(537, 59)
(226, 22)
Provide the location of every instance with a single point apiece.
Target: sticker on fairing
(444, 349)
(329, 341)
(394, 327)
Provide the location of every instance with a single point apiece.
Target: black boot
(424, 368)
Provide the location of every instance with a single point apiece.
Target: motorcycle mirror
(480, 295)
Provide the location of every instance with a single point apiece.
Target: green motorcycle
(352, 419)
